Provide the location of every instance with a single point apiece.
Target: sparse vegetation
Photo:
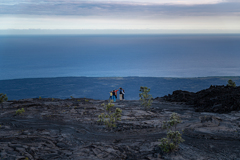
(86, 100)
(20, 111)
(145, 97)
(71, 97)
(3, 97)
(174, 137)
(109, 118)
(231, 83)
(40, 98)
(52, 99)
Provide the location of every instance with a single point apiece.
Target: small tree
(109, 118)
(3, 97)
(20, 111)
(174, 137)
(231, 83)
(145, 97)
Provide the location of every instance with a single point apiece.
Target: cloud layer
(136, 8)
(124, 14)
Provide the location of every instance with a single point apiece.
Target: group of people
(113, 94)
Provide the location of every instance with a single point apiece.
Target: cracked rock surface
(68, 129)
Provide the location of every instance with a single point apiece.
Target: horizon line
(122, 77)
(109, 31)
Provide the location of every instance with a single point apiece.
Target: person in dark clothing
(120, 93)
(123, 92)
(113, 96)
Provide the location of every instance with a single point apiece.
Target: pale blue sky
(221, 16)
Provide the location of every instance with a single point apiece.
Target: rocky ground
(68, 129)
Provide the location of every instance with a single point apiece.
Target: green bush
(145, 97)
(110, 117)
(3, 97)
(174, 120)
(231, 83)
(20, 111)
(174, 137)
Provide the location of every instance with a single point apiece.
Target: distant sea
(29, 65)
(119, 56)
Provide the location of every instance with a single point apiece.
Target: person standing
(113, 96)
(123, 92)
(120, 93)
(116, 94)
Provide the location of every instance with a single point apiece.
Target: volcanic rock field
(68, 129)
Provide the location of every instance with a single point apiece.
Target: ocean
(90, 66)
(119, 56)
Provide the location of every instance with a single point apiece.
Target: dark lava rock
(68, 130)
(218, 99)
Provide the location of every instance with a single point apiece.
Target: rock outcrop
(217, 99)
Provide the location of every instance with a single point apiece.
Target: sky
(153, 16)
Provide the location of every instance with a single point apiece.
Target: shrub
(3, 97)
(86, 100)
(110, 118)
(40, 98)
(20, 111)
(174, 120)
(145, 97)
(231, 83)
(174, 138)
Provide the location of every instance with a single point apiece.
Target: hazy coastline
(99, 87)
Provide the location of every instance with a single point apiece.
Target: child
(111, 94)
